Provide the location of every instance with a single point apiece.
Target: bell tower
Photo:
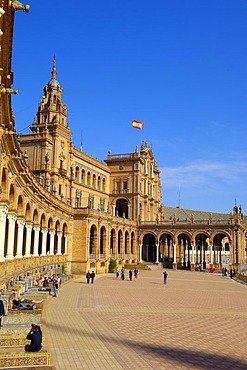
(48, 148)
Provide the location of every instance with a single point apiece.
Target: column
(186, 250)
(65, 244)
(11, 236)
(28, 240)
(211, 254)
(174, 253)
(3, 216)
(193, 254)
(52, 243)
(20, 224)
(157, 253)
(36, 241)
(59, 242)
(113, 210)
(44, 236)
(140, 257)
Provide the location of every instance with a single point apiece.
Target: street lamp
(236, 231)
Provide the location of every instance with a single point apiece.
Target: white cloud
(204, 173)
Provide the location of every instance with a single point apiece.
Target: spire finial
(54, 68)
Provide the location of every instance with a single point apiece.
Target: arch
(28, 213)
(166, 249)
(94, 181)
(20, 206)
(4, 181)
(88, 178)
(35, 217)
(122, 209)
(77, 174)
(93, 239)
(113, 242)
(149, 248)
(99, 183)
(132, 243)
(119, 243)
(102, 240)
(64, 235)
(126, 243)
(103, 184)
(12, 194)
(83, 176)
(219, 240)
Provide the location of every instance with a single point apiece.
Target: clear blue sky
(180, 66)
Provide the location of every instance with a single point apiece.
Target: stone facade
(60, 206)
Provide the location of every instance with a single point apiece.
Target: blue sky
(180, 66)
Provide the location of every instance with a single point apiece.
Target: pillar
(59, 242)
(140, 257)
(211, 254)
(36, 241)
(11, 236)
(157, 253)
(20, 224)
(3, 216)
(65, 244)
(193, 254)
(52, 243)
(44, 236)
(28, 240)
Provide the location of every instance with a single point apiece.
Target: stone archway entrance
(149, 248)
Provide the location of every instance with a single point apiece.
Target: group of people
(123, 273)
(46, 282)
(90, 276)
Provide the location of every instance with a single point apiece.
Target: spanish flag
(137, 124)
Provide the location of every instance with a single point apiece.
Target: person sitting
(17, 301)
(35, 335)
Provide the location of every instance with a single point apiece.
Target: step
(17, 318)
(36, 311)
(17, 358)
(13, 341)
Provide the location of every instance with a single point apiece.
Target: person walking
(136, 273)
(92, 276)
(165, 277)
(130, 274)
(55, 285)
(88, 276)
(122, 274)
(117, 272)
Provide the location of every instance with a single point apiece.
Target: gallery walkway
(197, 321)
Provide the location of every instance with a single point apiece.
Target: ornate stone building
(61, 207)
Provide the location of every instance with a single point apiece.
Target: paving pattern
(197, 321)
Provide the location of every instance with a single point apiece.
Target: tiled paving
(197, 321)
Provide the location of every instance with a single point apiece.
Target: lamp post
(236, 247)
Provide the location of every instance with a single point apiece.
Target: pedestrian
(35, 335)
(122, 274)
(2, 313)
(117, 272)
(165, 277)
(55, 285)
(136, 273)
(130, 274)
(88, 276)
(92, 276)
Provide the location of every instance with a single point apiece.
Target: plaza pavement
(197, 321)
